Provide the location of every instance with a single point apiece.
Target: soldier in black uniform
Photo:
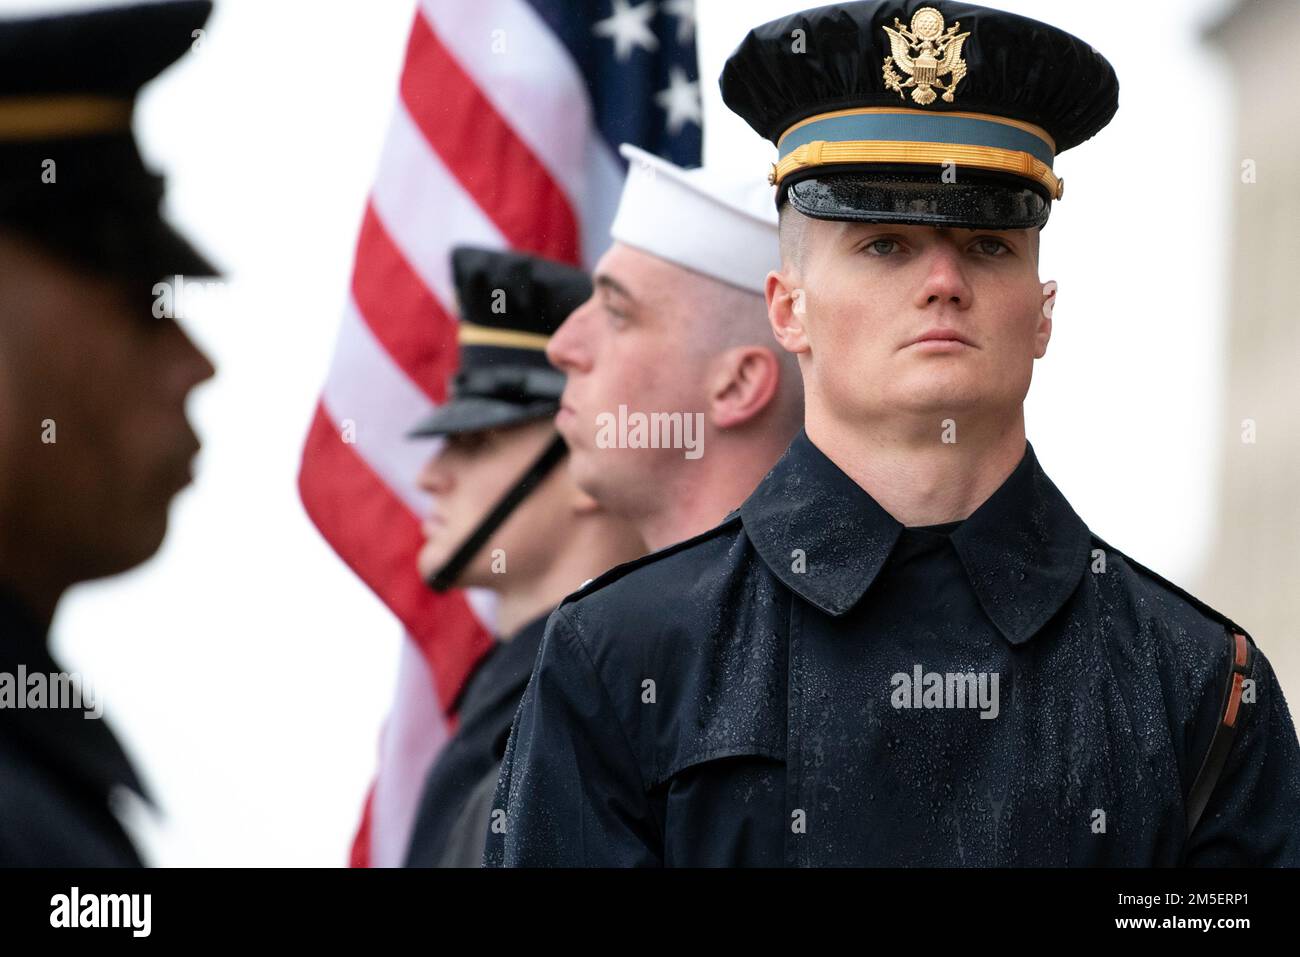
(505, 519)
(93, 437)
(905, 648)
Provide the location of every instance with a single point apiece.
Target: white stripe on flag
(368, 388)
(604, 187)
(413, 736)
(556, 127)
(425, 209)
(523, 69)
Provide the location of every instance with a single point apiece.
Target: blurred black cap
(68, 85)
(510, 305)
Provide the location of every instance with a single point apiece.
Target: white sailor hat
(724, 227)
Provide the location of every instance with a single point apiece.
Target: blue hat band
(884, 136)
(890, 124)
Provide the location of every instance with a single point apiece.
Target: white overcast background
(248, 671)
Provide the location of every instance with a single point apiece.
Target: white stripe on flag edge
(424, 208)
(413, 736)
(366, 387)
(600, 202)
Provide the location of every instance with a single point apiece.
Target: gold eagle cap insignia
(926, 52)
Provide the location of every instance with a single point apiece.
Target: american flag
(505, 134)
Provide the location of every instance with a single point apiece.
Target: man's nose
(435, 477)
(187, 365)
(568, 349)
(945, 279)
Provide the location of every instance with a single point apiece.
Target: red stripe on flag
(374, 532)
(360, 856)
(407, 319)
(508, 182)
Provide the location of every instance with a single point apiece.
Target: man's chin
(939, 394)
(584, 467)
(135, 546)
(567, 427)
(430, 559)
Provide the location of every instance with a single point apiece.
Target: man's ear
(786, 309)
(742, 383)
(1043, 327)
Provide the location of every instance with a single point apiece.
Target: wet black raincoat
(455, 804)
(58, 768)
(810, 683)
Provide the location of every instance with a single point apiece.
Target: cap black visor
(979, 199)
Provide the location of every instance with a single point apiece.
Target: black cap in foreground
(919, 111)
(71, 175)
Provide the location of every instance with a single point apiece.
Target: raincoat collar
(1024, 549)
(84, 749)
(502, 672)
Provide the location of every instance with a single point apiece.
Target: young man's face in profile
(474, 471)
(95, 442)
(636, 343)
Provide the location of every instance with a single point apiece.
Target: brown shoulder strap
(1242, 659)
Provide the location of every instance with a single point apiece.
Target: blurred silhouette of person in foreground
(94, 441)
